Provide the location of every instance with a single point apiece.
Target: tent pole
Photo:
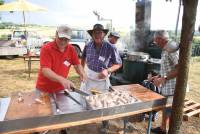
(24, 22)
(177, 21)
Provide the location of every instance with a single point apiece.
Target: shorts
(167, 111)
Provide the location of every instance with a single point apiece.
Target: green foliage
(196, 40)
(3, 37)
(196, 59)
(10, 25)
(1, 2)
(7, 25)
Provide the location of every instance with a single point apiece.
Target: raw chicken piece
(110, 99)
(38, 101)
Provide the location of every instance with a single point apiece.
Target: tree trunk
(188, 23)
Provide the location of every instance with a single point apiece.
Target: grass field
(14, 77)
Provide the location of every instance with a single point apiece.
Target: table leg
(149, 123)
(65, 131)
(105, 126)
(24, 63)
(29, 67)
(125, 124)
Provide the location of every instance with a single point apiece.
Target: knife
(56, 104)
(68, 95)
(95, 92)
(111, 89)
(79, 91)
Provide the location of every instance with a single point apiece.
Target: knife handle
(73, 88)
(66, 93)
(111, 89)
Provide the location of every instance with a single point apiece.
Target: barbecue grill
(137, 65)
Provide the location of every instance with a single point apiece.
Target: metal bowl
(137, 56)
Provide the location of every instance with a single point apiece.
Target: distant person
(23, 40)
(56, 58)
(113, 37)
(168, 73)
(23, 37)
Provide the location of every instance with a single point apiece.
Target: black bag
(151, 86)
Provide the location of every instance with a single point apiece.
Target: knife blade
(79, 91)
(95, 92)
(68, 95)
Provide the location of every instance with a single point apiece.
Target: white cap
(64, 31)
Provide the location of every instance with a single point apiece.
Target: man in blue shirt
(101, 58)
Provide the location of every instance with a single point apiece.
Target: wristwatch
(109, 70)
(166, 78)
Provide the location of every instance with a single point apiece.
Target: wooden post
(188, 23)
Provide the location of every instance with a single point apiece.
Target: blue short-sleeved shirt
(102, 58)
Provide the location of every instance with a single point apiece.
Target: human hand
(83, 77)
(159, 81)
(103, 74)
(152, 78)
(67, 84)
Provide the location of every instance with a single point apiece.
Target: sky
(80, 13)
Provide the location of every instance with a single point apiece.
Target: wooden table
(31, 117)
(30, 58)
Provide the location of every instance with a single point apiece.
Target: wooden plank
(191, 107)
(189, 102)
(28, 108)
(191, 113)
(197, 111)
(139, 92)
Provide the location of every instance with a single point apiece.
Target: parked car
(79, 39)
(30, 39)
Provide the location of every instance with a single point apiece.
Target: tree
(187, 31)
(1, 3)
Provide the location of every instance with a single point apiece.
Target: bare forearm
(83, 63)
(52, 75)
(79, 69)
(115, 67)
(173, 73)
